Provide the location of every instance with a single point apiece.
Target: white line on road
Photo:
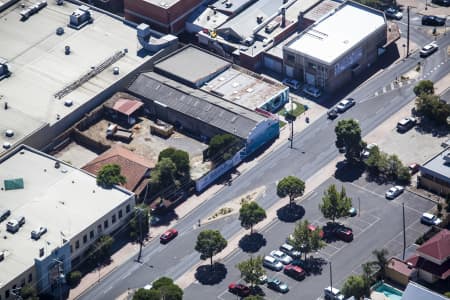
(107, 289)
(392, 86)
(384, 89)
(376, 93)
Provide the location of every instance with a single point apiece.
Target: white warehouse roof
(341, 30)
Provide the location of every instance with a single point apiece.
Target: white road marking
(384, 89)
(392, 86)
(376, 93)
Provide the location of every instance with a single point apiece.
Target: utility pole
(139, 210)
(404, 231)
(359, 207)
(407, 34)
(291, 118)
(331, 278)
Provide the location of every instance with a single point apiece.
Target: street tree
(431, 107)
(222, 147)
(180, 158)
(335, 204)
(140, 226)
(424, 87)
(109, 175)
(251, 214)
(356, 286)
(167, 289)
(209, 243)
(251, 270)
(290, 186)
(162, 177)
(305, 240)
(348, 135)
(143, 294)
(381, 256)
(100, 250)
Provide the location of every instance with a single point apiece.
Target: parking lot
(378, 225)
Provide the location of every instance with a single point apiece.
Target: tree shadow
(315, 265)
(257, 290)
(210, 276)
(252, 242)
(290, 213)
(346, 172)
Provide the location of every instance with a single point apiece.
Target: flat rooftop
(163, 3)
(244, 89)
(439, 166)
(40, 68)
(191, 65)
(332, 36)
(65, 200)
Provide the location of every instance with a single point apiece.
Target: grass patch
(297, 111)
(282, 124)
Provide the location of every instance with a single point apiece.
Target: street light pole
(404, 231)
(331, 278)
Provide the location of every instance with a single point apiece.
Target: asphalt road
(314, 148)
(378, 226)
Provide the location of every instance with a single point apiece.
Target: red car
(168, 235)
(239, 289)
(313, 228)
(414, 168)
(294, 271)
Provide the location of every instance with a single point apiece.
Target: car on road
(433, 21)
(38, 232)
(292, 83)
(312, 91)
(272, 263)
(289, 250)
(343, 105)
(406, 124)
(168, 235)
(352, 212)
(392, 13)
(445, 3)
(277, 285)
(312, 228)
(239, 289)
(430, 219)
(333, 294)
(394, 191)
(366, 151)
(428, 49)
(295, 272)
(344, 233)
(332, 113)
(414, 168)
(281, 256)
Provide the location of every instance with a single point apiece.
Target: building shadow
(251, 243)
(205, 274)
(346, 172)
(290, 213)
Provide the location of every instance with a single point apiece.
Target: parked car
(292, 83)
(414, 168)
(433, 21)
(392, 13)
(4, 214)
(262, 279)
(394, 191)
(352, 212)
(239, 289)
(289, 250)
(168, 236)
(38, 232)
(312, 91)
(344, 233)
(332, 113)
(406, 124)
(333, 294)
(312, 227)
(430, 219)
(294, 271)
(277, 285)
(366, 151)
(445, 3)
(281, 256)
(272, 263)
(428, 49)
(343, 105)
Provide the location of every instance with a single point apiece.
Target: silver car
(272, 263)
(282, 257)
(394, 191)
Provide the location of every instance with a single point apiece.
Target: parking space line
(221, 294)
(366, 190)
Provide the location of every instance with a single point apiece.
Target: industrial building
(337, 48)
(64, 61)
(56, 212)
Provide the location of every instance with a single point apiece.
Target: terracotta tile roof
(438, 246)
(400, 266)
(442, 271)
(133, 166)
(127, 106)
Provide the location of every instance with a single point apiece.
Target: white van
(333, 294)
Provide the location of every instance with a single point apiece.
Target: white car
(394, 191)
(312, 91)
(345, 104)
(366, 151)
(429, 49)
(292, 83)
(333, 294)
(430, 219)
(289, 250)
(282, 257)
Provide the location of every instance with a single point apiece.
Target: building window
(128, 208)
(91, 234)
(22, 283)
(71, 249)
(120, 214)
(105, 224)
(7, 294)
(113, 219)
(290, 58)
(77, 244)
(30, 277)
(99, 228)
(84, 239)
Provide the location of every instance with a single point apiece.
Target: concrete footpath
(131, 249)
